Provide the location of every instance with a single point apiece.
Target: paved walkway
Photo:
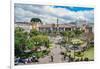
(55, 52)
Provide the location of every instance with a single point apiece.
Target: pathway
(55, 52)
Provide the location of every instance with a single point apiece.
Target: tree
(77, 32)
(38, 41)
(36, 20)
(34, 32)
(35, 43)
(41, 40)
(20, 41)
(67, 35)
(30, 44)
(89, 38)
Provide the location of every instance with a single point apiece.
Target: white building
(25, 25)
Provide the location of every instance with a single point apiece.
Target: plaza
(55, 34)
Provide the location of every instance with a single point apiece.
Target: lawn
(89, 53)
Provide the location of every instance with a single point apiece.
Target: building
(45, 27)
(55, 27)
(87, 28)
(27, 26)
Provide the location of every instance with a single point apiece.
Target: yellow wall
(35, 26)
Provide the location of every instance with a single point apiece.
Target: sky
(49, 14)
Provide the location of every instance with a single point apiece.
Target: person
(26, 60)
(33, 58)
(17, 60)
(64, 57)
(30, 60)
(51, 58)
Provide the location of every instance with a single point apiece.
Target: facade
(44, 28)
(56, 27)
(27, 26)
(87, 28)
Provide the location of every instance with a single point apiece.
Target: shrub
(86, 59)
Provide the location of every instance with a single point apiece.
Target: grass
(89, 53)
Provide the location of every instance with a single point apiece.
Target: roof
(49, 25)
(59, 25)
(28, 23)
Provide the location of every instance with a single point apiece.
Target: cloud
(49, 14)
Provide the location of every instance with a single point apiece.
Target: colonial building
(44, 27)
(56, 27)
(27, 26)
